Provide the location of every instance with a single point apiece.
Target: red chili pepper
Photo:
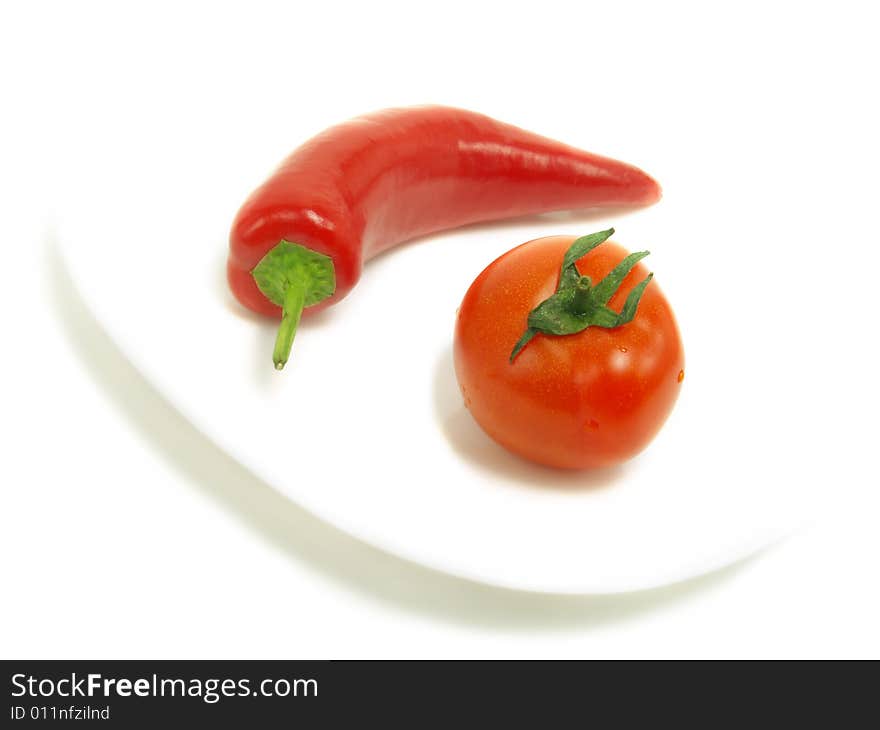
(356, 189)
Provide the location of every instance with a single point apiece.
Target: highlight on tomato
(567, 352)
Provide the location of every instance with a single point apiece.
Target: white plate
(366, 428)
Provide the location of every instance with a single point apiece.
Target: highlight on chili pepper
(567, 353)
(301, 239)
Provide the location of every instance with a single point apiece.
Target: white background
(126, 534)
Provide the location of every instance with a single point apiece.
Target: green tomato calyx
(577, 302)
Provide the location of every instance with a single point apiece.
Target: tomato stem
(581, 301)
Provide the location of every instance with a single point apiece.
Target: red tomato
(590, 399)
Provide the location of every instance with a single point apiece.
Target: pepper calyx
(293, 277)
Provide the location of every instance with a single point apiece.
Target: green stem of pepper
(291, 311)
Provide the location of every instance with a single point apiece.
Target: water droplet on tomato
(621, 348)
(680, 375)
(593, 424)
